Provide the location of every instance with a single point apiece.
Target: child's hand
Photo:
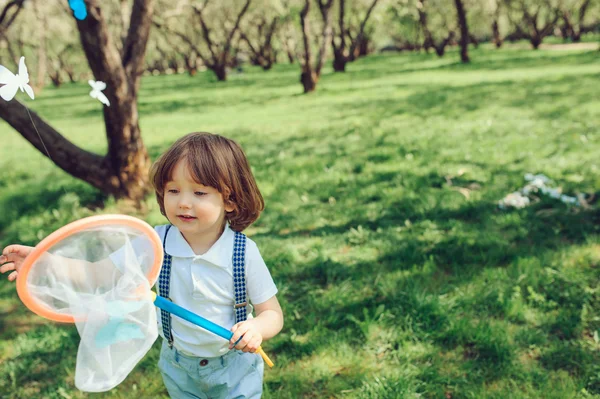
(12, 259)
(252, 338)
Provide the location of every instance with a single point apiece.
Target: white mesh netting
(99, 276)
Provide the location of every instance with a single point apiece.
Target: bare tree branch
(137, 39)
(206, 36)
(324, 7)
(66, 155)
(15, 3)
(232, 33)
(310, 76)
(361, 32)
(262, 54)
(306, 33)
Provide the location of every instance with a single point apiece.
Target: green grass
(398, 275)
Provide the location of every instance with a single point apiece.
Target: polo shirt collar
(219, 254)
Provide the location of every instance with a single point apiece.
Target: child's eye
(200, 193)
(173, 191)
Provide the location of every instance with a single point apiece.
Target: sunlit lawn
(398, 274)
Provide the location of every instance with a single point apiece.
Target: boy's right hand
(12, 259)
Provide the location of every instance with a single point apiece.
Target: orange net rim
(69, 230)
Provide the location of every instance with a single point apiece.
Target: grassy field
(398, 274)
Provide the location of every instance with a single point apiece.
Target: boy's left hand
(252, 338)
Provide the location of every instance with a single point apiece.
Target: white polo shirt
(203, 284)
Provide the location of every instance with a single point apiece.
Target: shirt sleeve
(260, 284)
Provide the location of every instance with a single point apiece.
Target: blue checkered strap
(239, 282)
(239, 276)
(164, 281)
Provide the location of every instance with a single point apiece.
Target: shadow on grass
(472, 237)
(32, 202)
(417, 263)
(373, 67)
(544, 100)
(38, 370)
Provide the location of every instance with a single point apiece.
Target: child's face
(196, 210)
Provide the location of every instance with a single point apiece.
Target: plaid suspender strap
(164, 281)
(239, 276)
(239, 282)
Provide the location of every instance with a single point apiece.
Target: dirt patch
(570, 46)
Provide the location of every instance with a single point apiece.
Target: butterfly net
(99, 276)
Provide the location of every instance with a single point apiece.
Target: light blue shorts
(233, 375)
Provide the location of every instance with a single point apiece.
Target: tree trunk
(71, 75)
(309, 81)
(288, 47)
(427, 37)
(267, 64)
(428, 41)
(219, 56)
(363, 48)
(191, 64)
(537, 33)
(123, 172)
(89, 167)
(359, 44)
(55, 78)
(473, 40)
(497, 39)
(339, 62)
(581, 20)
(536, 40)
(291, 57)
(309, 75)
(440, 48)
(263, 54)
(254, 61)
(464, 31)
(127, 156)
(220, 71)
(566, 29)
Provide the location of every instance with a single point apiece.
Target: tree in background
(346, 46)
(402, 21)
(168, 54)
(9, 14)
(17, 40)
(123, 171)
(573, 14)
(59, 49)
(432, 24)
(533, 19)
(216, 49)
(464, 30)
(290, 36)
(259, 32)
(261, 52)
(311, 73)
(62, 64)
(443, 25)
(495, 14)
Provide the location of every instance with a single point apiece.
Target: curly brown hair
(218, 162)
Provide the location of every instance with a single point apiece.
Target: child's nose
(184, 201)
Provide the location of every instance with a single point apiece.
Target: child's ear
(229, 204)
